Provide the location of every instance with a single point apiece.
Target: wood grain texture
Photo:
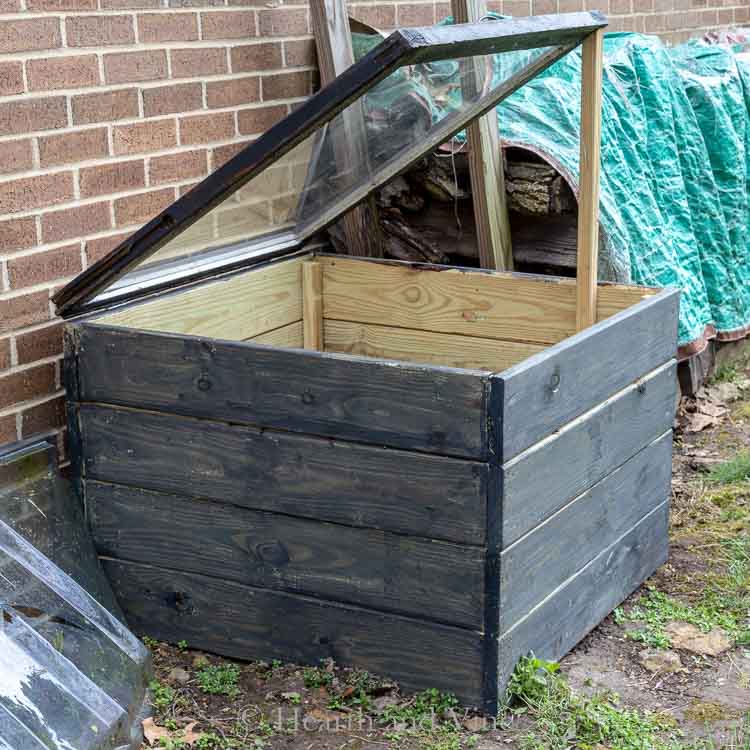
(248, 623)
(588, 184)
(312, 305)
(544, 559)
(357, 485)
(541, 480)
(550, 389)
(368, 340)
(534, 309)
(568, 614)
(435, 410)
(237, 307)
(385, 571)
(290, 336)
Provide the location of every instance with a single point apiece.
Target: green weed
(219, 680)
(726, 373)
(162, 696)
(422, 710)
(737, 469)
(316, 677)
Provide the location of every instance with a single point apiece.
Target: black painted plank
(544, 559)
(247, 623)
(548, 390)
(546, 477)
(380, 488)
(431, 409)
(564, 618)
(438, 581)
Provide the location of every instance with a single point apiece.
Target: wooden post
(486, 170)
(312, 305)
(333, 42)
(588, 184)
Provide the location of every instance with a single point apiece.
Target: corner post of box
(588, 185)
(71, 383)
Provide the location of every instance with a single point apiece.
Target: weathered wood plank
(567, 615)
(385, 571)
(365, 339)
(514, 307)
(247, 623)
(541, 480)
(550, 389)
(346, 483)
(237, 307)
(435, 410)
(544, 559)
(290, 336)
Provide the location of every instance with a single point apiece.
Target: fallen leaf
(153, 732)
(189, 735)
(690, 638)
(178, 674)
(476, 724)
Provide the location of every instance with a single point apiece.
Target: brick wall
(110, 109)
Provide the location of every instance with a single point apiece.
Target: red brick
(27, 384)
(77, 145)
(74, 223)
(287, 85)
(570, 6)
(116, 177)
(415, 15)
(233, 92)
(249, 3)
(11, 78)
(168, 27)
(140, 208)
(543, 7)
(10, 6)
(58, 5)
(44, 417)
(742, 15)
(443, 10)
(104, 107)
(517, 7)
(620, 7)
(379, 16)
(39, 344)
(643, 6)
(62, 72)
(39, 268)
(16, 156)
(17, 234)
(24, 310)
(8, 433)
(198, 61)
(206, 128)
(164, 100)
(129, 4)
(222, 154)
(300, 53)
(184, 189)
(32, 34)
(258, 120)
(283, 22)
(177, 167)
(29, 115)
(101, 246)
(238, 24)
(254, 57)
(144, 65)
(99, 31)
(4, 354)
(141, 137)
(35, 192)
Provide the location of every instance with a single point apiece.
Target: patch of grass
(563, 720)
(423, 710)
(726, 373)
(737, 469)
(316, 677)
(151, 643)
(219, 679)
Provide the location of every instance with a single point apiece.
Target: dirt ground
(668, 670)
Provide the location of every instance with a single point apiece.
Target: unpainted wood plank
(569, 613)
(532, 309)
(542, 560)
(544, 478)
(290, 336)
(435, 410)
(425, 578)
(548, 390)
(242, 622)
(472, 352)
(237, 307)
(588, 183)
(351, 484)
(485, 158)
(312, 305)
